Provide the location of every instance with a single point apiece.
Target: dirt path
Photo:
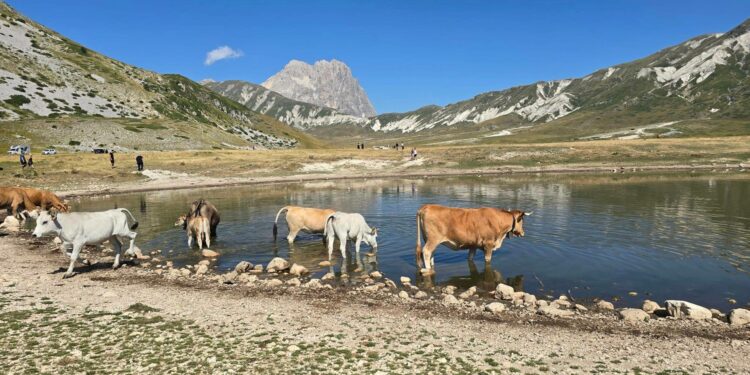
(136, 321)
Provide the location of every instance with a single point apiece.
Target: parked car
(49, 151)
(100, 151)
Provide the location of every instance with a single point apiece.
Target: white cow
(345, 227)
(88, 228)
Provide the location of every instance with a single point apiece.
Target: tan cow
(45, 199)
(310, 220)
(464, 228)
(201, 221)
(12, 198)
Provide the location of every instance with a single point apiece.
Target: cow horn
(528, 213)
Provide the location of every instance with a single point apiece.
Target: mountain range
(53, 89)
(704, 78)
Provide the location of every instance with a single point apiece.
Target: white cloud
(221, 53)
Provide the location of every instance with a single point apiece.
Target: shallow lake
(675, 236)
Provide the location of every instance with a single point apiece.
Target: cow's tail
(418, 249)
(275, 228)
(135, 222)
(329, 226)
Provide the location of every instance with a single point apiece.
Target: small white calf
(345, 227)
(87, 228)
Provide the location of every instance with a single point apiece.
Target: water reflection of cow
(464, 228)
(486, 280)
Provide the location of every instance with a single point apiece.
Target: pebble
(604, 305)
(403, 295)
(449, 299)
(633, 315)
(405, 280)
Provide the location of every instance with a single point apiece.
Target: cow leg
(330, 240)
(429, 261)
(73, 257)
(357, 243)
(131, 249)
(472, 253)
(488, 255)
(292, 235)
(207, 234)
(118, 250)
(190, 238)
(342, 246)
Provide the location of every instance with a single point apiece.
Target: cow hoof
(68, 275)
(358, 269)
(86, 262)
(115, 266)
(426, 271)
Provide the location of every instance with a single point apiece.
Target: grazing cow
(45, 199)
(345, 227)
(309, 220)
(88, 228)
(12, 199)
(464, 228)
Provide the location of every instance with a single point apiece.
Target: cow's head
(517, 227)
(181, 221)
(371, 238)
(46, 223)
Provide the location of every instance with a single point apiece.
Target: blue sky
(406, 54)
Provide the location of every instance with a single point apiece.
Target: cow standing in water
(309, 220)
(200, 222)
(344, 226)
(464, 228)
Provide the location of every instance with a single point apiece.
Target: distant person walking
(413, 153)
(30, 162)
(112, 158)
(22, 160)
(139, 163)
(402, 146)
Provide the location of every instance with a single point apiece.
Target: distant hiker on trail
(112, 157)
(402, 146)
(22, 160)
(139, 162)
(358, 146)
(413, 153)
(31, 161)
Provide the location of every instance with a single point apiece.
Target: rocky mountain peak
(324, 83)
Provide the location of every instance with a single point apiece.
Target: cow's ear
(53, 213)
(374, 231)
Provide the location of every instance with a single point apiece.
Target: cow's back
(463, 227)
(312, 219)
(93, 227)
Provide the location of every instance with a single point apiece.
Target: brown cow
(310, 220)
(464, 228)
(12, 198)
(201, 208)
(45, 199)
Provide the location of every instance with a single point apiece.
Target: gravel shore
(137, 319)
